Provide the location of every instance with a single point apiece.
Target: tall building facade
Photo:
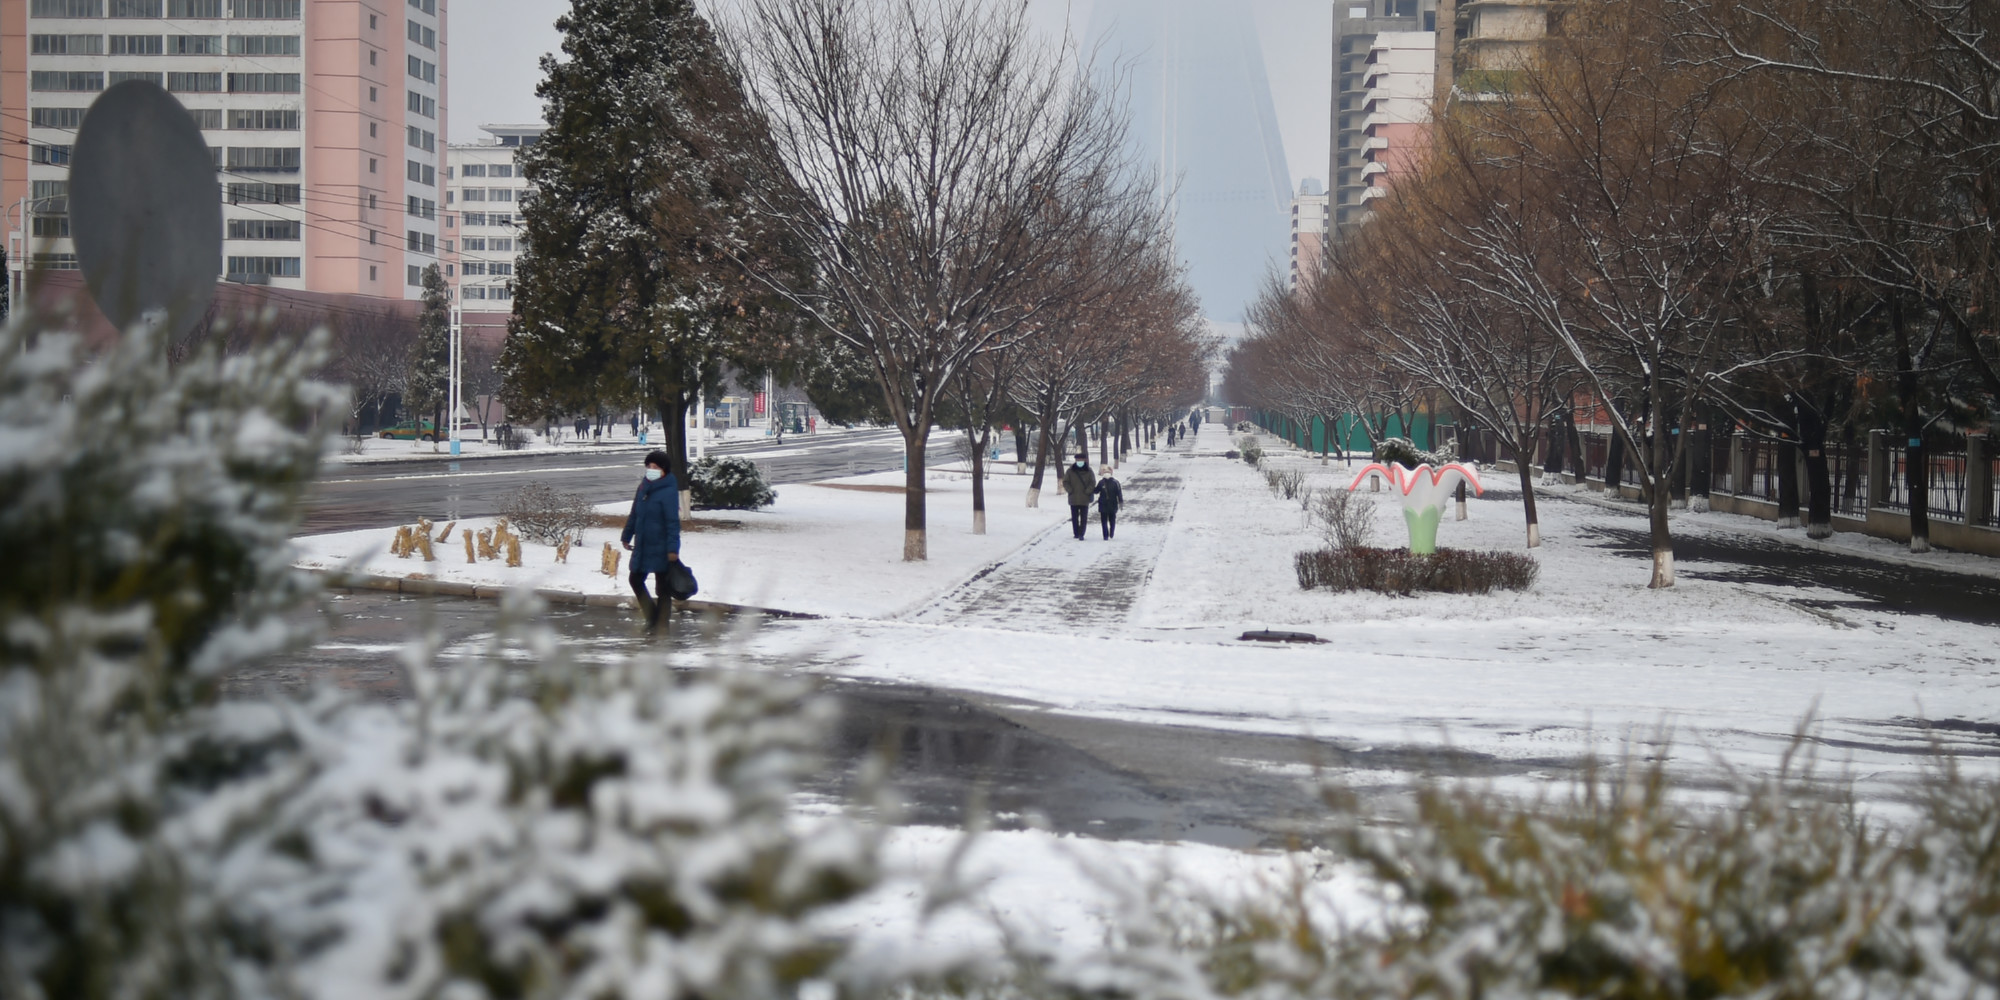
(1309, 216)
(1192, 73)
(1356, 25)
(324, 116)
(483, 195)
(1396, 106)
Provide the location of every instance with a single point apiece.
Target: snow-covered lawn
(824, 549)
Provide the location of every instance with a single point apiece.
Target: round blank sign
(145, 211)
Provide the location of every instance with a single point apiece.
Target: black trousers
(1079, 519)
(650, 608)
(1107, 520)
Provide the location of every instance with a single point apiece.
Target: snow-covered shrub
(729, 483)
(1245, 427)
(1403, 451)
(547, 515)
(145, 530)
(523, 826)
(1399, 571)
(1250, 450)
(1621, 888)
(566, 830)
(1346, 518)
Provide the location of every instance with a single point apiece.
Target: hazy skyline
(495, 59)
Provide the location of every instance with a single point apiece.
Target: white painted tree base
(979, 522)
(1534, 536)
(1034, 496)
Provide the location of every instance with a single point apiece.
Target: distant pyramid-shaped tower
(1192, 72)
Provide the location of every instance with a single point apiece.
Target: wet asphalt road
(949, 752)
(353, 496)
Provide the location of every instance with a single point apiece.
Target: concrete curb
(567, 598)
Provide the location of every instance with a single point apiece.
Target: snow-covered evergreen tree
(427, 388)
(623, 293)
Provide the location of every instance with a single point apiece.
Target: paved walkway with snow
(1058, 584)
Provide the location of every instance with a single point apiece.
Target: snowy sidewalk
(1058, 584)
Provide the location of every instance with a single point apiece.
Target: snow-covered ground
(833, 548)
(1145, 627)
(1585, 661)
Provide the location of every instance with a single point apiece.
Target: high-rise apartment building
(1309, 215)
(483, 195)
(325, 118)
(1356, 24)
(1396, 105)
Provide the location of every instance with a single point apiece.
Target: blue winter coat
(655, 521)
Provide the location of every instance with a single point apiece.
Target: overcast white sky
(497, 44)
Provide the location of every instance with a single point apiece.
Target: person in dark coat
(1078, 482)
(653, 536)
(1109, 496)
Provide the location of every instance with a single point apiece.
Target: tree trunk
(1104, 443)
(1659, 498)
(1043, 443)
(673, 405)
(979, 478)
(1528, 505)
(1819, 483)
(1020, 449)
(1788, 484)
(915, 548)
(1614, 464)
(1916, 481)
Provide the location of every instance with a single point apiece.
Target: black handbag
(681, 584)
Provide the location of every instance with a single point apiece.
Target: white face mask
(652, 473)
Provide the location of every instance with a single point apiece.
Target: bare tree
(371, 356)
(933, 151)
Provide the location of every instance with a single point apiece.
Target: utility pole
(457, 334)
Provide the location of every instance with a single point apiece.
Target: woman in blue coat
(653, 535)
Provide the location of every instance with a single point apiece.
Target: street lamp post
(457, 366)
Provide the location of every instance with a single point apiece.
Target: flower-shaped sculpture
(1424, 490)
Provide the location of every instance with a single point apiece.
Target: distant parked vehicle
(410, 430)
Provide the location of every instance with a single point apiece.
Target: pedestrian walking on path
(653, 536)
(1079, 482)
(1109, 496)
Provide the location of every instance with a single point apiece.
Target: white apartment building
(323, 116)
(1311, 212)
(482, 197)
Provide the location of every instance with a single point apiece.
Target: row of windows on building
(487, 218)
(481, 194)
(420, 104)
(486, 243)
(423, 35)
(58, 81)
(257, 10)
(425, 71)
(163, 45)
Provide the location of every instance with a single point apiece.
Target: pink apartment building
(1398, 82)
(326, 118)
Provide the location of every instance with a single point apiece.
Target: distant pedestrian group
(1084, 486)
